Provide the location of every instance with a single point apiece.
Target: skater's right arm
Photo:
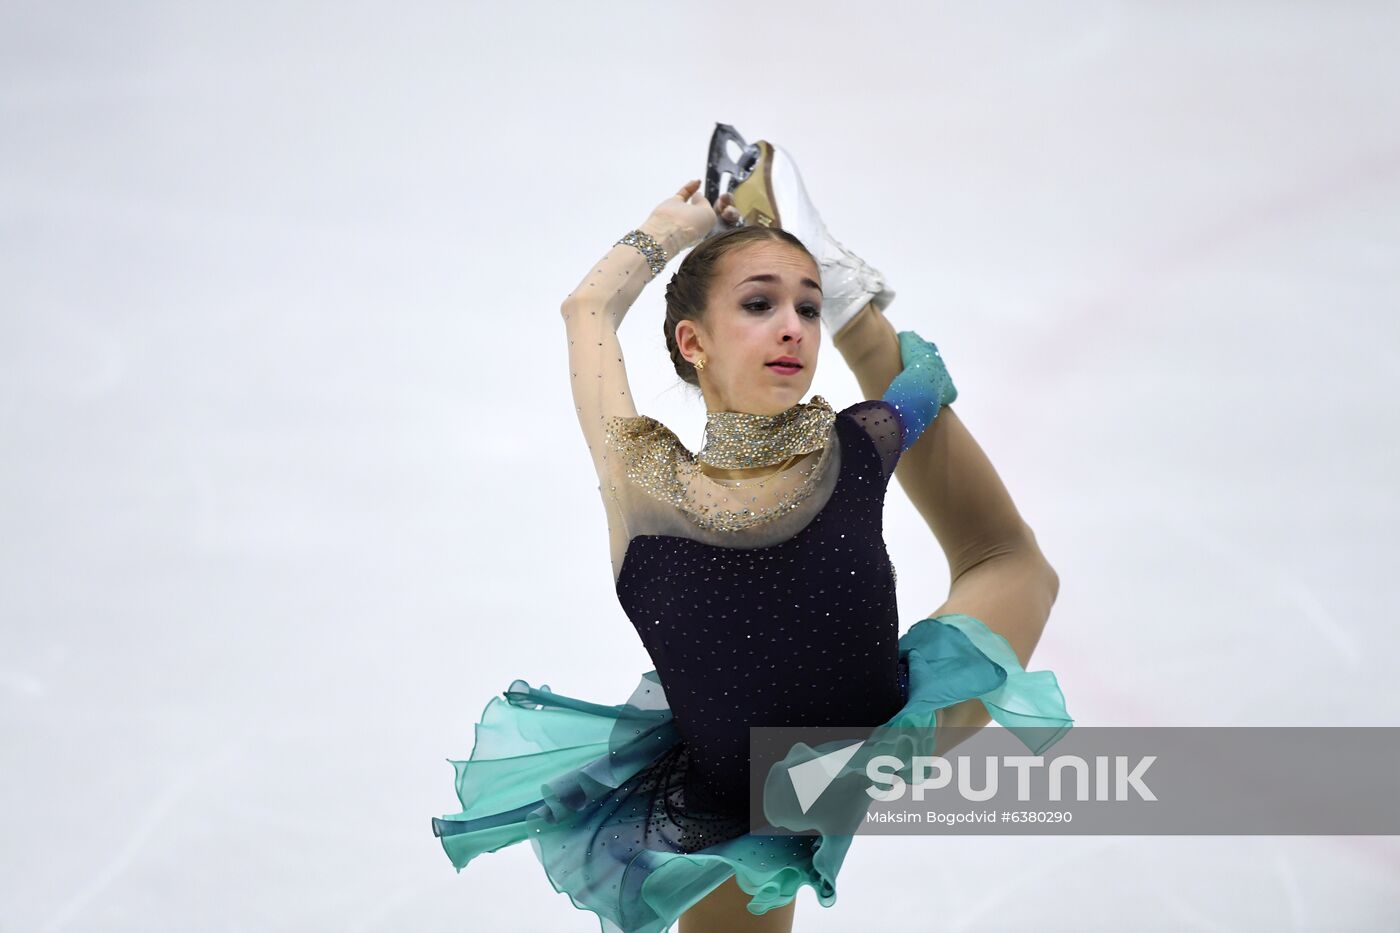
(592, 314)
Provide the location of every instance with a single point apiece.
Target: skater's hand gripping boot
(686, 218)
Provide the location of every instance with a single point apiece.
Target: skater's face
(764, 303)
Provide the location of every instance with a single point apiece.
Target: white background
(291, 482)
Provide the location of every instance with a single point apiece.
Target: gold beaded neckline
(738, 440)
(656, 461)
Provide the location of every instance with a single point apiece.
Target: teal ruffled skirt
(596, 788)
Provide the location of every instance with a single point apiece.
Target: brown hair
(689, 289)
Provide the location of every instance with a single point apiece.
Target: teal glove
(921, 388)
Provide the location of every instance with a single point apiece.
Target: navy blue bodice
(803, 632)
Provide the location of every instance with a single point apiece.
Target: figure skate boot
(767, 189)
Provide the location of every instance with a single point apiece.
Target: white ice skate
(768, 190)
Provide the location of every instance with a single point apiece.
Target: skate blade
(720, 162)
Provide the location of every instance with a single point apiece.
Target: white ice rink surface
(291, 482)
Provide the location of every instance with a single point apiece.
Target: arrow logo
(811, 778)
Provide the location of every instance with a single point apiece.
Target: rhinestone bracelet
(652, 250)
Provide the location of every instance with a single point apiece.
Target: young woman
(755, 573)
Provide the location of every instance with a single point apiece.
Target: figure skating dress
(640, 809)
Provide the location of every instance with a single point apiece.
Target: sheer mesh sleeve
(598, 378)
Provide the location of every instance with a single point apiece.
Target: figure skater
(754, 570)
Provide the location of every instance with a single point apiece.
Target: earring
(700, 363)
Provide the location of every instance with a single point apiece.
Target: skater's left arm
(998, 573)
